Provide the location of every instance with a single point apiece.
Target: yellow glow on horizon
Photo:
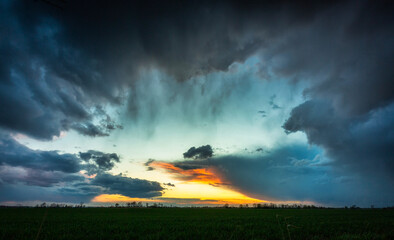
(186, 193)
(112, 198)
(116, 198)
(208, 192)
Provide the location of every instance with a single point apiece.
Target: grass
(188, 223)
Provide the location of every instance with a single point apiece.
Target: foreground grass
(186, 223)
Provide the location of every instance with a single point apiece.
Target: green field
(187, 223)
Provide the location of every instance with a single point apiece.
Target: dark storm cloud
(26, 169)
(131, 187)
(39, 73)
(57, 64)
(89, 129)
(290, 173)
(78, 191)
(199, 153)
(35, 177)
(102, 129)
(102, 161)
(345, 53)
(359, 144)
(105, 183)
(15, 154)
(351, 94)
(20, 164)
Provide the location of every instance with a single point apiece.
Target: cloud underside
(291, 173)
(58, 66)
(54, 176)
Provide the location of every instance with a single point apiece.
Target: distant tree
(116, 204)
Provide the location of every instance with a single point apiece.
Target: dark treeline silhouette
(161, 205)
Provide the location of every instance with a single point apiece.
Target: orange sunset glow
(199, 175)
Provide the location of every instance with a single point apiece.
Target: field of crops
(187, 223)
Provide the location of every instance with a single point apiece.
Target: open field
(187, 223)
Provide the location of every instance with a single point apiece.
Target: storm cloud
(290, 173)
(199, 153)
(78, 67)
(53, 173)
(132, 187)
(52, 73)
(15, 154)
(360, 144)
(99, 161)
(105, 183)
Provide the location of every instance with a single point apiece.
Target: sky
(197, 102)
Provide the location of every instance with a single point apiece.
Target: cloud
(356, 144)
(58, 176)
(199, 153)
(182, 171)
(76, 61)
(272, 102)
(342, 53)
(99, 161)
(89, 129)
(169, 184)
(131, 187)
(15, 154)
(288, 173)
(58, 65)
(105, 183)
(35, 177)
(147, 164)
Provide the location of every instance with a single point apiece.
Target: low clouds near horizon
(289, 173)
(55, 174)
